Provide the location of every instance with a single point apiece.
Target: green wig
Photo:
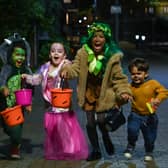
(110, 46)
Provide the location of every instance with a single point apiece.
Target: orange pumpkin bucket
(61, 97)
(13, 116)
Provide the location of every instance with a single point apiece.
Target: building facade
(145, 20)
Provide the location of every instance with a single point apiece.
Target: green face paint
(18, 56)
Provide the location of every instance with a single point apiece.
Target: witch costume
(10, 78)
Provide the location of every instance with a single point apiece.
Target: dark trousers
(14, 132)
(147, 125)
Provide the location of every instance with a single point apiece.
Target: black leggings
(93, 135)
(92, 122)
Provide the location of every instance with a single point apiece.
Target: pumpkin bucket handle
(64, 83)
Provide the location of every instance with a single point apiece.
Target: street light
(80, 20)
(137, 37)
(143, 37)
(85, 18)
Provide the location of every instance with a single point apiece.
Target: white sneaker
(128, 152)
(148, 157)
(128, 155)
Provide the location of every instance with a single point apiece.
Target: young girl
(64, 137)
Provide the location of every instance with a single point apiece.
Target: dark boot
(94, 155)
(92, 135)
(108, 145)
(106, 139)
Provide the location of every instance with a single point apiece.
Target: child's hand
(66, 62)
(23, 76)
(126, 97)
(28, 108)
(5, 91)
(155, 102)
(64, 74)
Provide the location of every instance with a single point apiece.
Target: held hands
(126, 97)
(24, 76)
(64, 73)
(67, 62)
(29, 107)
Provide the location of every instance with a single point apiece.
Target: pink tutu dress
(64, 139)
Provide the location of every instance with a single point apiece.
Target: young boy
(147, 96)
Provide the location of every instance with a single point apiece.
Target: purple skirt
(64, 138)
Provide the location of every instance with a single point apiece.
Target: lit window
(67, 1)
(151, 10)
(165, 9)
(131, 11)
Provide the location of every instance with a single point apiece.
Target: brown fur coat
(113, 85)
